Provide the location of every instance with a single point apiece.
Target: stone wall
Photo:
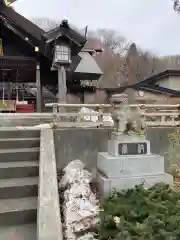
(84, 144)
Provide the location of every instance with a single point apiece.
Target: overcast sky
(152, 24)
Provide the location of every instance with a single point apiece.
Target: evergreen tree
(141, 214)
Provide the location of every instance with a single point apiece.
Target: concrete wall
(48, 200)
(172, 82)
(150, 98)
(165, 82)
(73, 98)
(154, 97)
(84, 144)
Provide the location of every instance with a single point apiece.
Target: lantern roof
(65, 30)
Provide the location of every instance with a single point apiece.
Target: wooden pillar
(9, 89)
(42, 99)
(131, 95)
(62, 87)
(38, 86)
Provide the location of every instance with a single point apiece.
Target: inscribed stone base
(113, 145)
(107, 185)
(129, 165)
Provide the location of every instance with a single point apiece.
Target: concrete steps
(17, 133)
(18, 187)
(18, 232)
(19, 171)
(7, 143)
(19, 154)
(18, 211)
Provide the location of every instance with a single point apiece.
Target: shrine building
(35, 63)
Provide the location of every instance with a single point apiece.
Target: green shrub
(142, 214)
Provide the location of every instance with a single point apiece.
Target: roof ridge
(22, 22)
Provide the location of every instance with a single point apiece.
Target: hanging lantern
(62, 54)
(36, 49)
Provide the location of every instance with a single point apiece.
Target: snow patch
(94, 118)
(80, 207)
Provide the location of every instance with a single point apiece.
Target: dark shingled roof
(35, 33)
(82, 63)
(67, 32)
(21, 22)
(149, 84)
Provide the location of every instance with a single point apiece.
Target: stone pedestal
(127, 163)
(107, 185)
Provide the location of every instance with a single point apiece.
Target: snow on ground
(94, 118)
(40, 126)
(80, 207)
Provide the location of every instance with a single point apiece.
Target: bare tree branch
(112, 40)
(176, 5)
(121, 62)
(45, 23)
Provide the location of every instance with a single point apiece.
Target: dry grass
(176, 175)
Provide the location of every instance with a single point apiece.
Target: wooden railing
(15, 62)
(161, 115)
(100, 114)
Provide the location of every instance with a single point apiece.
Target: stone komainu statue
(129, 121)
